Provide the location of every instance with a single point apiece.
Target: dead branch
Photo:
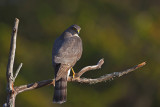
(9, 73)
(17, 72)
(85, 69)
(105, 77)
(13, 91)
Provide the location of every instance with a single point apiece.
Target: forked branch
(105, 77)
(9, 73)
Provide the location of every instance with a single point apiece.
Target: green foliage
(124, 33)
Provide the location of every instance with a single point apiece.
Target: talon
(73, 72)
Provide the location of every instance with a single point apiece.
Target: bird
(67, 50)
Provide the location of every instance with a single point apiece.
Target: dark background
(123, 32)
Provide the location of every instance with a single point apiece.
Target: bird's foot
(73, 72)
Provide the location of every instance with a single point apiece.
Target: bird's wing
(62, 71)
(66, 52)
(69, 51)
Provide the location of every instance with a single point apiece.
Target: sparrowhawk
(67, 50)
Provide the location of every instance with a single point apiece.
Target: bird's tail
(60, 90)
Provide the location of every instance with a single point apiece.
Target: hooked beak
(78, 31)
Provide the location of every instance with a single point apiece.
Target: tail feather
(60, 90)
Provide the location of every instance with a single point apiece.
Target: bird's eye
(73, 28)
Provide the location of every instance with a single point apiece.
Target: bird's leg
(73, 72)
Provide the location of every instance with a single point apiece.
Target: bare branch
(88, 68)
(9, 72)
(19, 68)
(106, 77)
(35, 85)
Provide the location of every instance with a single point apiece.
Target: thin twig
(93, 67)
(19, 68)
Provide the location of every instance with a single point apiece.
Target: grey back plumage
(67, 50)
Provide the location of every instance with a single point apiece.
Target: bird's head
(75, 28)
